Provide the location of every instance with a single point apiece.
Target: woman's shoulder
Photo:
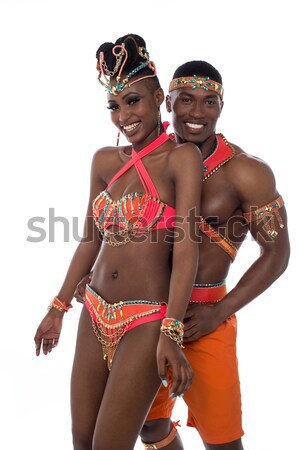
(105, 152)
(108, 155)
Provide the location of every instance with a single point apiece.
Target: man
(239, 193)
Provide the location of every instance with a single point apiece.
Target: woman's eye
(112, 107)
(132, 101)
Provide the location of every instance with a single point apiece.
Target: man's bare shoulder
(251, 177)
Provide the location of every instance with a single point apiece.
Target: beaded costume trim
(267, 213)
(223, 152)
(223, 242)
(196, 82)
(110, 322)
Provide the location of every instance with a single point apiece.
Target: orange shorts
(214, 398)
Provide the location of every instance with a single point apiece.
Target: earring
(117, 139)
(159, 122)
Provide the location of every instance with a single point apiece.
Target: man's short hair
(200, 68)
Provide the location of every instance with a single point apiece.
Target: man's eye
(186, 100)
(211, 102)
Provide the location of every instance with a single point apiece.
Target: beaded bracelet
(174, 329)
(58, 304)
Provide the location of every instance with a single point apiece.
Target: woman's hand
(170, 356)
(79, 293)
(48, 332)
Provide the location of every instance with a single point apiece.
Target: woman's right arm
(48, 332)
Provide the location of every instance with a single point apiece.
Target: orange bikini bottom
(111, 321)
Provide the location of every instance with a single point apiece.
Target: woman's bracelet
(58, 304)
(174, 329)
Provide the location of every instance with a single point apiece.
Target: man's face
(194, 113)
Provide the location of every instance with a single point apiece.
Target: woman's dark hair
(133, 43)
(200, 68)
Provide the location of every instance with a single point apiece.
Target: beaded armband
(58, 304)
(267, 213)
(174, 329)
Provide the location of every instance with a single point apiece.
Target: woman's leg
(157, 430)
(131, 387)
(89, 377)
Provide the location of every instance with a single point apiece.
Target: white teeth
(130, 127)
(194, 125)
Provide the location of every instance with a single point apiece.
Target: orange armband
(267, 213)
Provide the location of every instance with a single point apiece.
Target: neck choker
(223, 152)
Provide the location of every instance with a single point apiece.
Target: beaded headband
(195, 82)
(121, 55)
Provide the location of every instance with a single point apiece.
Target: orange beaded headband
(195, 82)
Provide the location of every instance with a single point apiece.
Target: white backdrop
(53, 118)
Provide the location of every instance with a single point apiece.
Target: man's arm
(255, 186)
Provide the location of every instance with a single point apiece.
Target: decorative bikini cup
(136, 212)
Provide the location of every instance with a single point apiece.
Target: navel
(114, 275)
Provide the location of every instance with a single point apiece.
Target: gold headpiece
(121, 55)
(195, 82)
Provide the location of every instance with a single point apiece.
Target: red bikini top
(141, 212)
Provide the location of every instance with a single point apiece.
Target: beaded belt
(208, 292)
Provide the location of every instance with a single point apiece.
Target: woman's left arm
(186, 166)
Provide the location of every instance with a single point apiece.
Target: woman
(141, 200)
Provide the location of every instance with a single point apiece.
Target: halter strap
(141, 170)
(146, 180)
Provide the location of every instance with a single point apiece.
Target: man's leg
(235, 445)
(213, 400)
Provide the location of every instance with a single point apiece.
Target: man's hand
(200, 320)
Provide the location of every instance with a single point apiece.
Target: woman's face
(135, 111)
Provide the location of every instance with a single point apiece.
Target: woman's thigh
(88, 381)
(130, 390)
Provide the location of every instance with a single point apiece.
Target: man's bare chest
(219, 200)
